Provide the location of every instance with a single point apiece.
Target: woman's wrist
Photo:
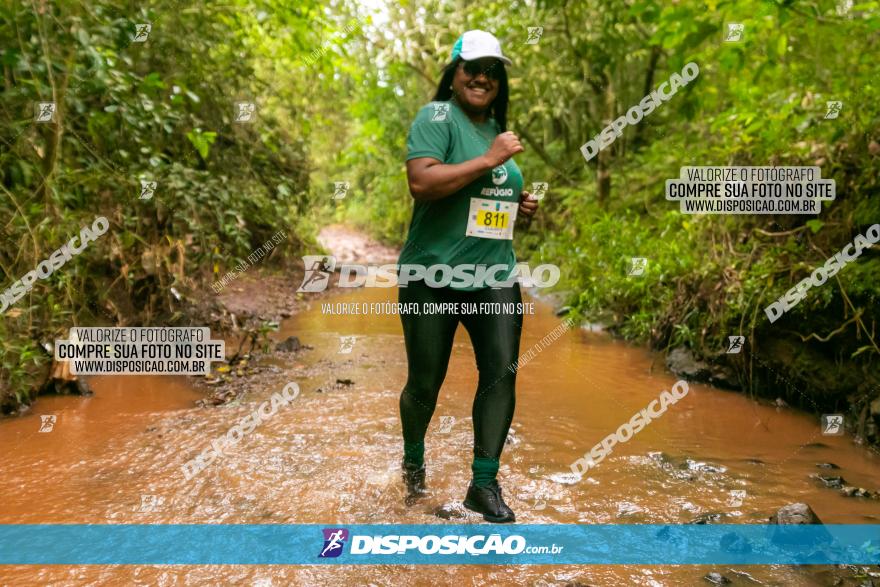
(487, 163)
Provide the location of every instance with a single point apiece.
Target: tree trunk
(603, 159)
(649, 86)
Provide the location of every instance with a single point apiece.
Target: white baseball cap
(476, 44)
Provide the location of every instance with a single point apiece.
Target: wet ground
(332, 457)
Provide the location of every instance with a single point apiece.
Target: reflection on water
(332, 457)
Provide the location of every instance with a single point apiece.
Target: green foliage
(760, 101)
(162, 110)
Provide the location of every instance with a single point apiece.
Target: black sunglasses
(491, 69)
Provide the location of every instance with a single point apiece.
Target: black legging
(495, 338)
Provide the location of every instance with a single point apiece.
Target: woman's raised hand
(505, 146)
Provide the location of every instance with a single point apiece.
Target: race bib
(491, 219)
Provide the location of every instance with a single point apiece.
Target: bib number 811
(492, 219)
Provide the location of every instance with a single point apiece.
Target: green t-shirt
(437, 232)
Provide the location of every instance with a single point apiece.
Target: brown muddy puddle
(332, 457)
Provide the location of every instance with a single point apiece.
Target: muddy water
(332, 457)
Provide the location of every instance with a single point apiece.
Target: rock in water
(795, 514)
(450, 511)
(82, 388)
(681, 361)
(709, 518)
(716, 579)
(291, 344)
(858, 492)
(832, 482)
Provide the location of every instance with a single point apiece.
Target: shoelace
(495, 490)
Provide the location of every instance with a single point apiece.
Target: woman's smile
(478, 93)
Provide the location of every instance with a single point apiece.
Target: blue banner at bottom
(529, 544)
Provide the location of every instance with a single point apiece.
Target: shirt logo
(334, 540)
(499, 175)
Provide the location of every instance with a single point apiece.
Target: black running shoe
(488, 501)
(414, 479)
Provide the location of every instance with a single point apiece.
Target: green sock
(414, 453)
(484, 471)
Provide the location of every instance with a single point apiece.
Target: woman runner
(468, 194)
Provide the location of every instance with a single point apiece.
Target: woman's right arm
(431, 179)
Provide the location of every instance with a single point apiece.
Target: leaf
(815, 225)
(202, 141)
(782, 45)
